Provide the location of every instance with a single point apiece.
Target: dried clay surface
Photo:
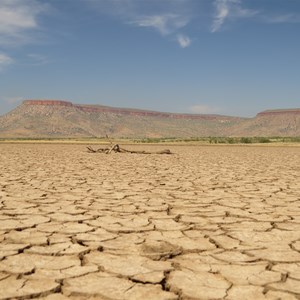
(207, 222)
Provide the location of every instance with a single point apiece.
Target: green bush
(245, 140)
(263, 140)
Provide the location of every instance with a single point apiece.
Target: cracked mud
(204, 223)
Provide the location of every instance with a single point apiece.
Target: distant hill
(58, 119)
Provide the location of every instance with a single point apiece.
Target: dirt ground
(208, 222)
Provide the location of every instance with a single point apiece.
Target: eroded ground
(205, 223)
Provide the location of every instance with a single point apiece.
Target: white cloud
(229, 9)
(203, 109)
(222, 11)
(5, 60)
(164, 23)
(183, 40)
(18, 17)
(166, 17)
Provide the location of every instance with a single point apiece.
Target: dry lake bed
(209, 222)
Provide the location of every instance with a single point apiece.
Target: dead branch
(100, 150)
(117, 149)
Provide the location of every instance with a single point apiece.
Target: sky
(230, 57)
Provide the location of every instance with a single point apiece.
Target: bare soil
(208, 222)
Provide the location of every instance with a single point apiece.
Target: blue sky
(232, 57)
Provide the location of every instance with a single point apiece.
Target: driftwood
(116, 148)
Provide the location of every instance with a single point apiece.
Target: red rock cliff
(277, 112)
(47, 102)
(124, 111)
(142, 113)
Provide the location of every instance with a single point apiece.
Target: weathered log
(166, 151)
(117, 149)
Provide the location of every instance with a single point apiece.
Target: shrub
(245, 140)
(263, 140)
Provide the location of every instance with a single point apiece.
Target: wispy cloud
(18, 25)
(170, 17)
(17, 19)
(229, 10)
(222, 12)
(5, 60)
(164, 23)
(166, 17)
(204, 109)
(183, 40)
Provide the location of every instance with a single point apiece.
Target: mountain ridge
(60, 118)
(121, 110)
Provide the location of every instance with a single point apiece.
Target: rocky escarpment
(123, 111)
(58, 118)
(272, 123)
(48, 102)
(277, 112)
(286, 121)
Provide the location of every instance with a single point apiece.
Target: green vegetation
(223, 140)
(240, 140)
(200, 140)
(66, 140)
